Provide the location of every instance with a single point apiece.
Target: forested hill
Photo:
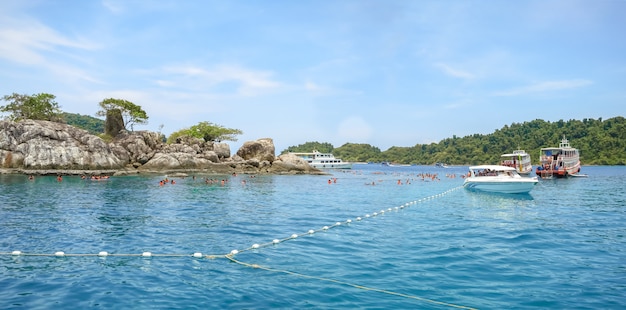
(601, 142)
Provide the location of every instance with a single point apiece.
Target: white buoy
(197, 255)
(233, 252)
(382, 211)
(255, 246)
(311, 231)
(367, 215)
(59, 253)
(103, 253)
(146, 254)
(325, 228)
(338, 223)
(16, 253)
(374, 214)
(294, 236)
(275, 241)
(358, 218)
(349, 221)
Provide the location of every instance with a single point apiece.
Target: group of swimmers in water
(83, 177)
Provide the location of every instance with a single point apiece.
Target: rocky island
(50, 148)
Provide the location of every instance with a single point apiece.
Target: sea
(372, 237)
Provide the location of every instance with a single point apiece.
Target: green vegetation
(37, 106)
(206, 131)
(600, 143)
(131, 113)
(94, 125)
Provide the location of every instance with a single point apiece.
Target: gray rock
(43, 147)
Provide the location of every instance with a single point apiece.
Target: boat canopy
(492, 167)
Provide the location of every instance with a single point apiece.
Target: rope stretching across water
(231, 255)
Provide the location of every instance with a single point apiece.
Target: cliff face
(48, 147)
(33, 144)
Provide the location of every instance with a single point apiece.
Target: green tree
(38, 106)
(208, 132)
(131, 113)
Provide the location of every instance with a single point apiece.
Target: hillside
(601, 142)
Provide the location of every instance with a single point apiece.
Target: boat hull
(332, 166)
(513, 187)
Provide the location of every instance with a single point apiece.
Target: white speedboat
(520, 160)
(498, 179)
(320, 160)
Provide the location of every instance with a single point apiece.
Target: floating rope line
(432, 301)
(255, 246)
(234, 252)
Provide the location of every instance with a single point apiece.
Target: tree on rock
(38, 106)
(208, 132)
(129, 112)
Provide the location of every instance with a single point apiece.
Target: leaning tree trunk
(114, 123)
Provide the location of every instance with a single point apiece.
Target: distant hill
(601, 142)
(93, 125)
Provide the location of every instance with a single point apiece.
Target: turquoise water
(563, 246)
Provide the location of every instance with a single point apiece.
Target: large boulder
(137, 146)
(261, 150)
(36, 144)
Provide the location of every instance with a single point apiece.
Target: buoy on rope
(358, 218)
(255, 246)
(234, 252)
(275, 241)
(103, 253)
(311, 231)
(338, 223)
(325, 228)
(197, 255)
(349, 221)
(294, 236)
(16, 253)
(146, 254)
(59, 253)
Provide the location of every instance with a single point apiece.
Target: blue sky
(385, 73)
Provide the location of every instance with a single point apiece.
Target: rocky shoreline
(37, 147)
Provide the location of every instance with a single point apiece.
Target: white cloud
(27, 41)
(453, 72)
(246, 82)
(544, 87)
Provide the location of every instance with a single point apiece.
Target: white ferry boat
(560, 162)
(520, 160)
(320, 160)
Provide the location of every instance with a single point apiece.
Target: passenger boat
(560, 162)
(498, 179)
(320, 160)
(520, 160)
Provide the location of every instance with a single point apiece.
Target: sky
(385, 73)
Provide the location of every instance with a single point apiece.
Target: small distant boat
(320, 160)
(441, 165)
(520, 160)
(560, 162)
(498, 179)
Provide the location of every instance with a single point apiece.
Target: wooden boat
(520, 160)
(560, 162)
